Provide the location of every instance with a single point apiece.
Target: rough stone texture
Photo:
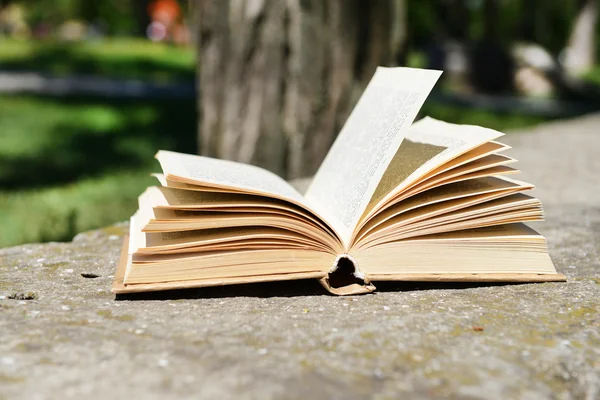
(292, 340)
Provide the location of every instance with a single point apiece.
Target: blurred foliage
(118, 58)
(499, 121)
(115, 17)
(72, 164)
(593, 76)
(546, 22)
(79, 163)
(57, 213)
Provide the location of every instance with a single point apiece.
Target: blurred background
(91, 89)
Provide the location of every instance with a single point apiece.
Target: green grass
(72, 164)
(593, 76)
(58, 213)
(117, 58)
(76, 164)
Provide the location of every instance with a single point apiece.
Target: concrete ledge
(64, 335)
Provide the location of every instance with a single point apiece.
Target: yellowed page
(205, 239)
(154, 219)
(160, 215)
(206, 171)
(477, 156)
(366, 144)
(188, 186)
(448, 211)
(454, 191)
(182, 239)
(241, 220)
(156, 198)
(228, 176)
(445, 180)
(231, 267)
(157, 243)
(501, 249)
(429, 144)
(428, 258)
(481, 164)
(440, 213)
(461, 224)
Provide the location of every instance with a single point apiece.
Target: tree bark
(277, 78)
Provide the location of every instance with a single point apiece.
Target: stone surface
(64, 335)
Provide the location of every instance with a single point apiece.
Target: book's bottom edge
(119, 287)
(476, 277)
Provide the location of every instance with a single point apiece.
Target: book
(394, 200)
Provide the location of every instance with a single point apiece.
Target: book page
(163, 210)
(217, 173)
(429, 143)
(471, 192)
(231, 177)
(366, 144)
(501, 249)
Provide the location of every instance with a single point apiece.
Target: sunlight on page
(210, 171)
(429, 143)
(366, 144)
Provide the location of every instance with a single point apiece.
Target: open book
(393, 200)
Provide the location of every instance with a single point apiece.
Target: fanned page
(506, 253)
(349, 175)
(210, 174)
(444, 210)
(223, 174)
(428, 144)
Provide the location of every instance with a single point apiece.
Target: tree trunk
(277, 78)
(580, 55)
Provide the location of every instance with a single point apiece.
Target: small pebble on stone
(163, 362)
(7, 360)
(22, 296)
